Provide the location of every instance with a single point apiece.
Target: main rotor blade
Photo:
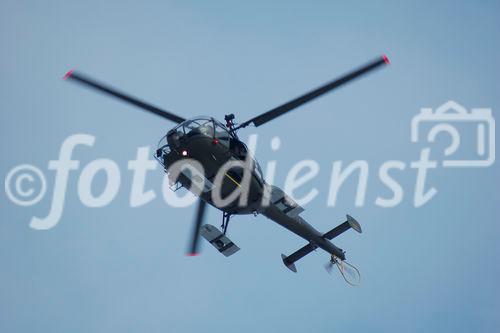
(196, 228)
(82, 79)
(289, 106)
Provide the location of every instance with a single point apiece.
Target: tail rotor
(349, 272)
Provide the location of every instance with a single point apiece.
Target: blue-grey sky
(433, 268)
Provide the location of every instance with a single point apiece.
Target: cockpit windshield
(207, 126)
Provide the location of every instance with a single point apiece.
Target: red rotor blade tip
(68, 74)
(194, 254)
(386, 59)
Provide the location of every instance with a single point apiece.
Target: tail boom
(323, 242)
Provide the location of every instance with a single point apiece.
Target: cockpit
(206, 126)
(203, 126)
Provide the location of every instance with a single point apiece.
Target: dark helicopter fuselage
(208, 142)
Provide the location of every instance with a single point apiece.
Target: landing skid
(218, 240)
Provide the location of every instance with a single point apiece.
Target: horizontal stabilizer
(220, 241)
(300, 253)
(350, 223)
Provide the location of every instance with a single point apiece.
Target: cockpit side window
(258, 171)
(207, 128)
(238, 148)
(222, 134)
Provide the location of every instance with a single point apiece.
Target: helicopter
(208, 158)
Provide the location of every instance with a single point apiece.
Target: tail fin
(290, 260)
(350, 223)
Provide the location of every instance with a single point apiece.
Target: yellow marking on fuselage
(234, 181)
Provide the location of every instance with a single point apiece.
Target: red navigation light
(68, 74)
